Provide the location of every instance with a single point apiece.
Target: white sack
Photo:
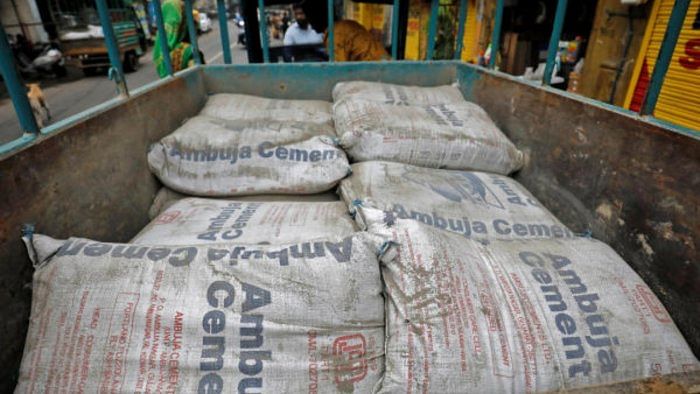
(206, 128)
(239, 107)
(167, 197)
(457, 136)
(132, 318)
(518, 316)
(388, 93)
(210, 163)
(193, 221)
(473, 204)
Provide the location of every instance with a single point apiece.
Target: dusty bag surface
(473, 204)
(459, 136)
(388, 93)
(205, 220)
(239, 107)
(166, 197)
(186, 319)
(206, 128)
(518, 316)
(223, 165)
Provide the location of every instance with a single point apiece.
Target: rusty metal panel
(316, 80)
(627, 181)
(91, 180)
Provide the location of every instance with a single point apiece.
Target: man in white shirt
(301, 32)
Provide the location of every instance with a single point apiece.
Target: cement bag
(220, 164)
(201, 220)
(473, 204)
(518, 315)
(458, 136)
(165, 198)
(244, 318)
(396, 94)
(240, 107)
(200, 128)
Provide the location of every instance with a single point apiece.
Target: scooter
(241, 29)
(50, 62)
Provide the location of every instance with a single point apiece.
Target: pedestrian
(351, 41)
(177, 38)
(354, 43)
(301, 32)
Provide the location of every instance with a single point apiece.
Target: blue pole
(17, 90)
(432, 28)
(116, 72)
(262, 26)
(162, 39)
(668, 45)
(554, 41)
(496, 35)
(460, 29)
(193, 31)
(331, 32)
(395, 30)
(223, 27)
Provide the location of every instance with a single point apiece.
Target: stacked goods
(396, 94)
(473, 204)
(192, 221)
(165, 198)
(106, 317)
(457, 135)
(518, 315)
(241, 107)
(256, 146)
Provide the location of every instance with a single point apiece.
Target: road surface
(76, 93)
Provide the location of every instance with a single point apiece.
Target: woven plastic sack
(192, 221)
(518, 316)
(396, 94)
(212, 163)
(165, 198)
(458, 136)
(473, 204)
(240, 107)
(305, 317)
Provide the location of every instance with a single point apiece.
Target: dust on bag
(193, 221)
(166, 197)
(473, 204)
(459, 136)
(518, 315)
(306, 317)
(242, 107)
(388, 93)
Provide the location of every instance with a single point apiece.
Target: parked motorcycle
(48, 63)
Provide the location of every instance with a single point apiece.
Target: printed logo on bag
(463, 187)
(349, 354)
(167, 217)
(657, 310)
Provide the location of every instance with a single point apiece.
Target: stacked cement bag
(241, 107)
(473, 204)
(396, 94)
(305, 317)
(454, 135)
(193, 221)
(518, 315)
(255, 146)
(166, 197)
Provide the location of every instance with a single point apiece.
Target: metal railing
(31, 130)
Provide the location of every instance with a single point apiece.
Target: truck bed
(627, 181)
